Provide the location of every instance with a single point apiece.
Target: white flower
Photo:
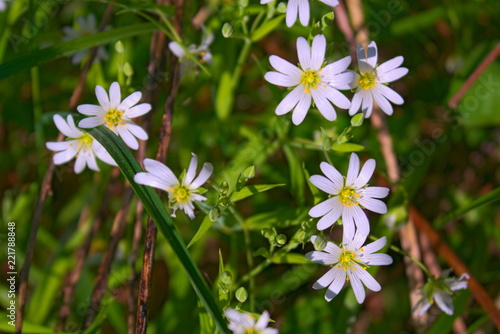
(244, 323)
(181, 194)
(80, 144)
(116, 114)
(348, 196)
(201, 52)
(312, 81)
(300, 8)
(440, 290)
(85, 26)
(371, 82)
(349, 262)
(3, 5)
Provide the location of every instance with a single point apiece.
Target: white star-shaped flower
(348, 196)
(349, 262)
(85, 26)
(312, 81)
(116, 114)
(201, 52)
(244, 323)
(370, 82)
(181, 194)
(300, 8)
(79, 144)
(440, 290)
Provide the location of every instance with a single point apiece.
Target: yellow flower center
(347, 259)
(252, 331)
(180, 194)
(310, 79)
(349, 197)
(84, 143)
(113, 118)
(367, 80)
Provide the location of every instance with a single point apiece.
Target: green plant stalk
(155, 208)
(249, 256)
(37, 116)
(242, 58)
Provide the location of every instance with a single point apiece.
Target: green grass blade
(69, 47)
(490, 197)
(153, 205)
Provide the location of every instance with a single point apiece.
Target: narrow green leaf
(204, 227)
(266, 28)
(290, 258)
(296, 174)
(66, 48)
(252, 190)
(155, 208)
(224, 98)
(347, 147)
(490, 197)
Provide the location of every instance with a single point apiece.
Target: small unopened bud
(119, 47)
(241, 294)
(224, 188)
(249, 172)
(268, 233)
(226, 278)
(319, 243)
(224, 201)
(357, 120)
(214, 214)
(227, 30)
(128, 70)
(281, 7)
(280, 240)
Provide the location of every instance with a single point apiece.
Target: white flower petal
(332, 3)
(80, 163)
(334, 175)
(392, 75)
(130, 100)
(290, 101)
(67, 128)
(280, 79)
(318, 49)
(321, 257)
(422, 306)
(291, 12)
(191, 171)
(102, 154)
(365, 174)
(367, 279)
(389, 94)
(375, 192)
(89, 109)
(60, 146)
(127, 136)
(102, 97)
(444, 301)
(348, 221)
(138, 110)
(330, 218)
(377, 259)
(304, 12)
(357, 287)
(324, 184)
(91, 122)
(337, 284)
(353, 170)
(323, 105)
(65, 156)
(114, 95)
(285, 67)
(355, 103)
(176, 49)
(336, 97)
(161, 171)
(325, 280)
(149, 179)
(304, 53)
(372, 54)
(390, 65)
(91, 162)
(322, 208)
(374, 205)
(375, 246)
(337, 67)
(382, 102)
(136, 130)
(301, 109)
(263, 321)
(360, 219)
(343, 81)
(367, 104)
(205, 173)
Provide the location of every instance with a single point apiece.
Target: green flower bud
(280, 240)
(268, 233)
(119, 47)
(214, 214)
(227, 30)
(319, 243)
(226, 278)
(241, 294)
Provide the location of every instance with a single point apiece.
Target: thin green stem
(242, 58)
(249, 255)
(37, 116)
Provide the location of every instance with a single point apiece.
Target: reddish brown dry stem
(474, 76)
(458, 266)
